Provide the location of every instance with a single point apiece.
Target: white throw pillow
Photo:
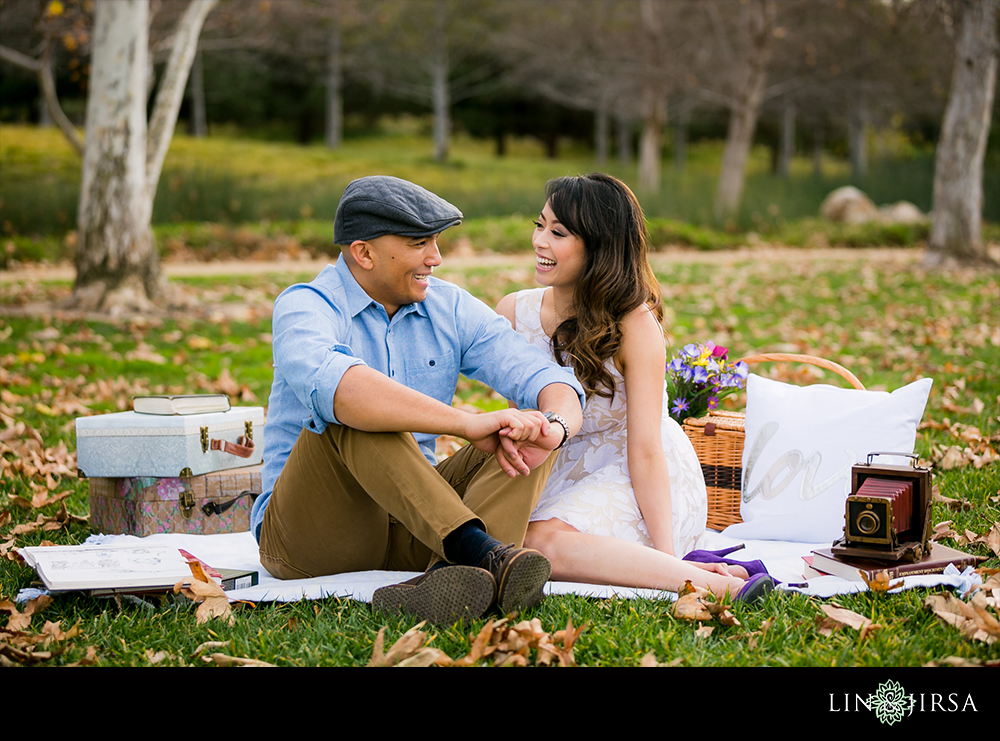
(801, 442)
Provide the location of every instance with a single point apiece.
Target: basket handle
(808, 360)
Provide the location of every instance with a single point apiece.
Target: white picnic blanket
(239, 551)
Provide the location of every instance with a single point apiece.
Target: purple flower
(713, 402)
(680, 405)
(700, 375)
(741, 370)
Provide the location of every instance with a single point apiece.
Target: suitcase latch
(204, 439)
(186, 503)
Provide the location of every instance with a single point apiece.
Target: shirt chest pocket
(434, 375)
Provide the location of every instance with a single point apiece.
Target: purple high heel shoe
(757, 588)
(753, 567)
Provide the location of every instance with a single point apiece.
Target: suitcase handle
(211, 508)
(243, 447)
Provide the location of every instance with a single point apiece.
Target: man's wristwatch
(553, 417)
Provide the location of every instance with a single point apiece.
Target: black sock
(469, 544)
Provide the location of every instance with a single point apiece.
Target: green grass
(889, 322)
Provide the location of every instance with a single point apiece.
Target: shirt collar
(358, 300)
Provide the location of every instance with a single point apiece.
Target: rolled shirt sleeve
(499, 357)
(310, 352)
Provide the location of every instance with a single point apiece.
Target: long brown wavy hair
(604, 213)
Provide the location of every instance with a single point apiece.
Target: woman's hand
(515, 438)
(721, 568)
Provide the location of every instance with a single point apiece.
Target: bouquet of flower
(699, 376)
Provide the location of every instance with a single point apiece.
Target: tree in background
(436, 53)
(740, 56)
(958, 171)
(117, 266)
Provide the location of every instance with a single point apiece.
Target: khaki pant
(348, 500)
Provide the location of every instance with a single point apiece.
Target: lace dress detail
(590, 487)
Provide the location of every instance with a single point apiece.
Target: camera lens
(868, 522)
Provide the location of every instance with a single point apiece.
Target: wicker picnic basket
(718, 441)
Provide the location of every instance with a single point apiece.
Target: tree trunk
(787, 139)
(334, 83)
(958, 170)
(623, 137)
(650, 142)
(857, 132)
(196, 86)
(440, 93)
(116, 261)
(45, 119)
(739, 138)
(818, 149)
(602, 131)
(172, 86)
(682, 118)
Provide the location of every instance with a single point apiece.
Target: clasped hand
(519, 440)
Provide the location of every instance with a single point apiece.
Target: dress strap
(528, 315)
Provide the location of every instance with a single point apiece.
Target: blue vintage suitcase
(127, 444)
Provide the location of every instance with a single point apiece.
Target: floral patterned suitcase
(217, 502)
(127, 444)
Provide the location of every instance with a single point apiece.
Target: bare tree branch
(171, 92)
(43, 70)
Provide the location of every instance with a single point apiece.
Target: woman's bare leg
(601, 559)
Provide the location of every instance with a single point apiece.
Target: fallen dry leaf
(881, 583)
(944, 530)
(89, 659)
(837, 617)
(207, 645)
(22, 620)
(212, 600)
(224, 660)
(972, 619)
(959, 661)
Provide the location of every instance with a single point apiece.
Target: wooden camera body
(888, 513)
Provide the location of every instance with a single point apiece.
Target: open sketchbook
(104, 569)
(83, 567)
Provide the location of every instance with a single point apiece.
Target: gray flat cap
(375, 206)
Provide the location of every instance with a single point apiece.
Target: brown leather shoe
(520, 575)
(442, 596)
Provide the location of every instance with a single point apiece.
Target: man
(366, 360)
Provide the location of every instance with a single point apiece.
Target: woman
(626, 496)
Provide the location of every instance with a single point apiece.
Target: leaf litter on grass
(520, 644)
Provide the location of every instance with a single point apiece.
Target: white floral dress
(590, 487)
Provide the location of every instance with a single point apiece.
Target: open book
(102, 569)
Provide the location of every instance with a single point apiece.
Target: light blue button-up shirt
(322, 328)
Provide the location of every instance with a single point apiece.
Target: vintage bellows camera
(888, 513)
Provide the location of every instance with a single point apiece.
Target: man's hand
(511, 436)
(533, 452)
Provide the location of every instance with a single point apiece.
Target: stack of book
(823, 562)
